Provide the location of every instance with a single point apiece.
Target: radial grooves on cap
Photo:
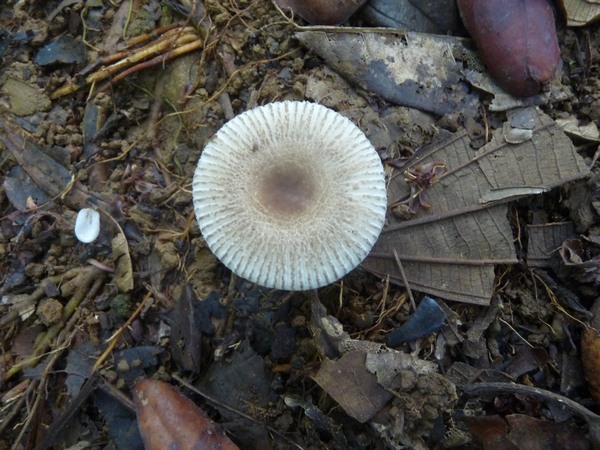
(319, 245)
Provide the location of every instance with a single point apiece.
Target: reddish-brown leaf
(167, 419)
(590, 357)
(516, 39)
(521, 432)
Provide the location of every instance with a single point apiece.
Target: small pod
(516, 39)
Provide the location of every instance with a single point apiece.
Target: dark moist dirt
(132, 150)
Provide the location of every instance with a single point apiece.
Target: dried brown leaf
(581, 12)
(526, 360)
(424, 71)
(49, 175)
(450, 249)
(578, 129)
(350, 384)
(123, 276)
(518, 431)
(406, 68)
(167, 419)
(544, 241)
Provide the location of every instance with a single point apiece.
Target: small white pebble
(87, 225)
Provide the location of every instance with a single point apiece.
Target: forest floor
(114, 117)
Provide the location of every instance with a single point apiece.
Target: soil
(79, 323)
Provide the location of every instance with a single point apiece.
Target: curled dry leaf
(516, 39)
(167, 419)
(581, 131)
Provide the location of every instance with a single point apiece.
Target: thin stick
(114, 338)
(405, 280)
(64, 419)
(157, 60)
(16, 407)
(42, 385)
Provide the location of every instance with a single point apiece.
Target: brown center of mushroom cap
(287, 191)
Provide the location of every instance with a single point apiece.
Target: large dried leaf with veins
(451, 249)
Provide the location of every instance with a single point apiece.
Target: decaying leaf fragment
(578, 130)
(123, 276)
(543, 241)
(425, 16)
(581, 12)
(350, 384)
(405, 68)
(363, 379)
(465, 232)
(167, 419)
(518, 431)
(424, 71)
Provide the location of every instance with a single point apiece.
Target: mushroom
(87, 225)
(290, 195)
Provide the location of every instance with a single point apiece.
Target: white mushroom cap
(87, 225)
(290, 195)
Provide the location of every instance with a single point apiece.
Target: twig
(115, 337)
(85, 287)
(116, 394)
(173, 42)
(17, 406)
(43, 383)
(63, 420)
(405, 280)
(158, 60)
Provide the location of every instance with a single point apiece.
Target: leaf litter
(280, 369)
(465, 232)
